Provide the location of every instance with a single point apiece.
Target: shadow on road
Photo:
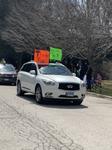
(7, 84)
(62, 104)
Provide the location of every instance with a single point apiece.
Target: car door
(25, 73)
(32, 78)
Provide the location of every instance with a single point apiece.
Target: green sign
(55, 54)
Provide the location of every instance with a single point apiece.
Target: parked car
(7, 74)
(52, 81)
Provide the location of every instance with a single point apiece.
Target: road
(25, 125)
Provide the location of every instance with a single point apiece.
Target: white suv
(52, 81)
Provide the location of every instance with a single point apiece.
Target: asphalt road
(24, 125)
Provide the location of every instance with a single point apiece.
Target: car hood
(63, 79)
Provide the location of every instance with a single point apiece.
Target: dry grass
(106, 88)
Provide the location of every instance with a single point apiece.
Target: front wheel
(19, 90)
(78, 101)
(38, 94)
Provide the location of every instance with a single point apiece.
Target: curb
(99, 95)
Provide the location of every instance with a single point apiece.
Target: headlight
(48, 82)
(14, 75)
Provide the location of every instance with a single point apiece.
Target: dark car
(7, 74)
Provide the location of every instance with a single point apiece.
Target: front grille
(69, 86)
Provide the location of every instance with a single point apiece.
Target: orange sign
(41, 56)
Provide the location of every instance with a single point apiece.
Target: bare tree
(80, 27)
(45, 23)
(99, 32)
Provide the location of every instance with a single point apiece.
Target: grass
(106, 88)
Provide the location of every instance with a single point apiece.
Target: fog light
(48, 94)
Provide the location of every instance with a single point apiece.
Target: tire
(78, 102)
(38, 94)
(19, 90)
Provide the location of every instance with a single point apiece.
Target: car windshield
(7, 68)
(55, 70)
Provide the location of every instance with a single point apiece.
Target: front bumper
(8, 80)
(55, 93)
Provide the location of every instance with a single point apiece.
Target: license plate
(71, 94)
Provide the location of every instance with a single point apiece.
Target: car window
(33, 67)
(26, 68)
(55, 70)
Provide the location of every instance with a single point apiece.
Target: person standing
(98, 80)
(89, 78)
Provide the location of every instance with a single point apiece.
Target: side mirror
(33, 72)
(74, 74)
